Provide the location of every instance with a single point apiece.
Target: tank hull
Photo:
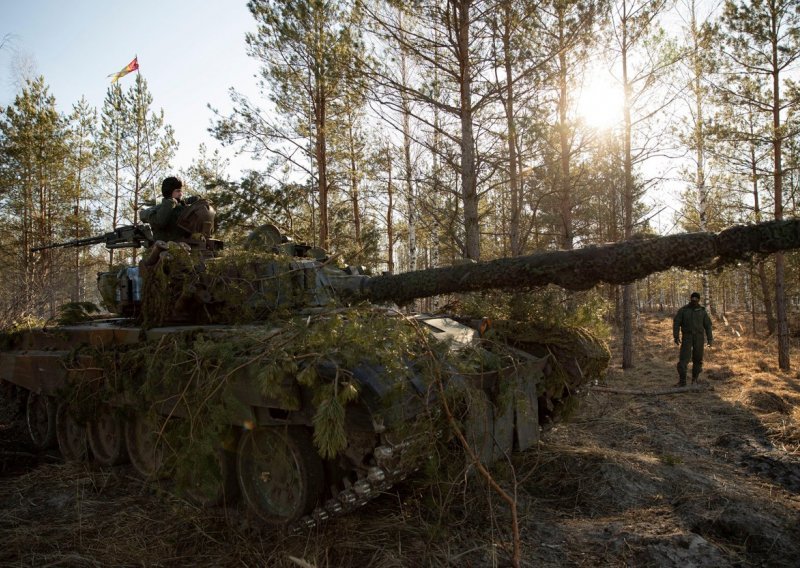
(388, 429)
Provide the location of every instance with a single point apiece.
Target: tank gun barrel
(128, 236)
(581, 269)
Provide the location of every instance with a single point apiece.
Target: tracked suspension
(393, 463)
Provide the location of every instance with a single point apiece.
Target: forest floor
(708, 478)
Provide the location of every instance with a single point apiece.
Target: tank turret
(276, 273)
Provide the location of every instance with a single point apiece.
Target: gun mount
(195, 220)
(128, 236)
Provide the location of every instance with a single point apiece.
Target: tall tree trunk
(699, 144)
(437, 232)
(320, 152)
(137, 166)
(780, 293)
(320, 105)
(390, 214)
(565, 148)
(762, 271)
(627, 290)
(354, 197)
(411, 203)
(469, 189)
(513, 182)
(76, 294)
(117, 183)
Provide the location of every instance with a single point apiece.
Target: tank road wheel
(106, 437)
(71, 435)
(280, 473)
(145, 448)
(40, 414)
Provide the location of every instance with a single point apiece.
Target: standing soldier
(695, 326)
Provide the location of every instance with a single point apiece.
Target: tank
(274, 375)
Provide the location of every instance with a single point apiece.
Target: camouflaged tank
(274, 374)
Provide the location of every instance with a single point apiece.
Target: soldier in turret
(164, 217)
(694, 325)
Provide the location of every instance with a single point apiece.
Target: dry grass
(709, 479)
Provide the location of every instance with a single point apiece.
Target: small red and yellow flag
(129, 68)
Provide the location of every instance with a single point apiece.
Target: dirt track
(692, 479)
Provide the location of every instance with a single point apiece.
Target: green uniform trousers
(691, 348)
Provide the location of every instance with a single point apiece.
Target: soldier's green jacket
(163, 218)
(692, 321)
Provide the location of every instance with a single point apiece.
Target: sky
(190, 53)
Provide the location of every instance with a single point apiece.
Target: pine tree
(634, 30)
(697, 67)
(135, 147)
(568, 34)
(37, 196)
(82, 167)
(763, 38)
(449, 41)
(308, 50)
(148, 148)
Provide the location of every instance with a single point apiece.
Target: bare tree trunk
(780, 293)
(137, 171)
(390, 214)
(354, 197)
(411, 205)
(627, 307)
(76, 294)
(117, 183)
(699, 145)
(514, 232)
(565, 146)
(320, 104)
(322, 175)
(469, 190)
(772, 324)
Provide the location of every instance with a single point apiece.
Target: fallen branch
(674, 390)
(300, 562)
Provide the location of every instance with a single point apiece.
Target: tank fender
(383, 397)
(38, 371)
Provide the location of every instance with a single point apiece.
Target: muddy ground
(709, 478)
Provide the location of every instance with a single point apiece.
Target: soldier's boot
(695, 378)
(681, 379)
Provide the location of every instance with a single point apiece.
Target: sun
(600, 100)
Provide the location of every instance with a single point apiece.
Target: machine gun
(128, 236)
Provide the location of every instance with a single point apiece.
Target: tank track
(392, 465)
